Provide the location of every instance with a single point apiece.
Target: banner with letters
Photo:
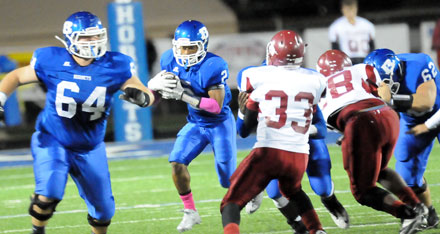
(126, 34)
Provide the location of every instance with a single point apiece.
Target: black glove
(135, 96)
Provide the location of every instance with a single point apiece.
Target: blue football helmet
(388, 65)
(84, 35)
(190, 33)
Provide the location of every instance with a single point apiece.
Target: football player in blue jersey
(202, 84)
(415, 83)
(318, 169)
(69, 138)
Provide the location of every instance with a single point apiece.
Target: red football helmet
(285, 48)
(332, 61)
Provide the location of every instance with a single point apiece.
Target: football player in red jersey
(353, 106)
(281, 104)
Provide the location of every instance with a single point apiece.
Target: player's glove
(174, 93)
(135, 96)
(163, 81)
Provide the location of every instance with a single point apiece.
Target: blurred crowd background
(238, 31)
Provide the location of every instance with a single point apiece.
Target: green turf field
(147, 202)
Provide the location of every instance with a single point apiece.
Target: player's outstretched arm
(137, 93)
(12, 80)
(17, 77)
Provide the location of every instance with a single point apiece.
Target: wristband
(313, 130)
(3, 98)
(240, 115)
(433, 121)
(401, 102)
(146, 100)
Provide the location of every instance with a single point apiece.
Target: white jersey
(284, 98)
(347, 87)
(353, 39)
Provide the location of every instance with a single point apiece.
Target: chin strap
(62, 41)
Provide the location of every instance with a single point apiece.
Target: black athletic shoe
(298, 226)
(432, 218)
(337, 211)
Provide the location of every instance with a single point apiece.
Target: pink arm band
(210, 105)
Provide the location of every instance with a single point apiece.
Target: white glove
(174, 93)
(163, 81)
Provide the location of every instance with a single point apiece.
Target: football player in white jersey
(353, 106)
(352, 34)
(281, 106)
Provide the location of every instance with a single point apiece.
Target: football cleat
(337, 211)
(190, 218)
(254, 204)
(416, 224)
(321, 232)
(432, 218)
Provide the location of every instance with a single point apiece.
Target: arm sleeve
(319, 122)
(242, 130)
(250, 121)
(247, 122)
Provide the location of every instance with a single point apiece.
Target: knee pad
(420, 189)
(94, 223)
(373, 198)
(42, 205)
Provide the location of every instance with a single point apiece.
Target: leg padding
(95, 223)
(35, 200)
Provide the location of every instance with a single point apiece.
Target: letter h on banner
(126, 33)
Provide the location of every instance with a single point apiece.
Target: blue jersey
(419, 68)
(211, 71)
(78, 99)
